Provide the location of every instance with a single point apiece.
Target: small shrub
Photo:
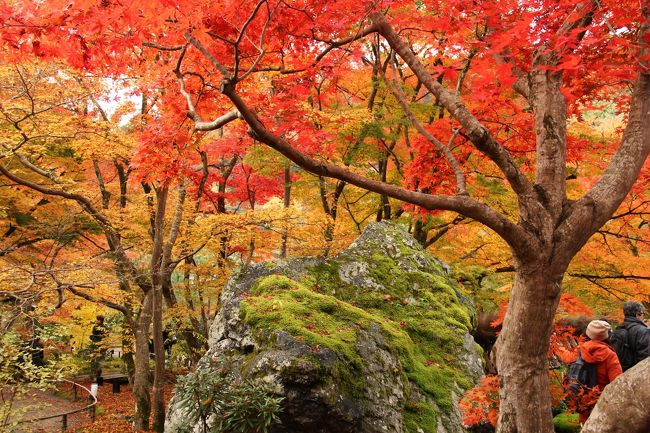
(218, 404)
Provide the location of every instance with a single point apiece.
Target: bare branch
(175, 226)
(221, 68)
(261, 44)
(442, 231)
(72, 288)
(27, 163)
(622, 236)
(463, 72)
(92, 99)
(336, 44)
(112, 235)
(199, 124)
(609, 277)
(162, 47)
(595, 208)
(249, 20)
(218, 122)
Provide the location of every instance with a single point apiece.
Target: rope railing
(91, 407)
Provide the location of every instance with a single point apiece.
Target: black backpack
(580, 378)
(619, 341)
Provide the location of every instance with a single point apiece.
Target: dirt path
(37, 404)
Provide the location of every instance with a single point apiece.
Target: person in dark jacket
(638, 333)
(37, 352)
(598, 351)
(99, 331)
(97, 347)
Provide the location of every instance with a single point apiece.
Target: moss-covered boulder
(375, 339)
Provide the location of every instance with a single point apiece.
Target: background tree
(98, 250)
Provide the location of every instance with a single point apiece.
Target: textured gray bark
(141, 377)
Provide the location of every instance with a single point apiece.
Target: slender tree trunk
(129, 360)
(287, 203)
(127, 350)
(419, 233)
(141, 378)
(330, 202)
(190, 335)
(383, 213)
(205, 312)
(106, 196)
(522, 349)
(123, 177)
(158, 277)
(251, 251)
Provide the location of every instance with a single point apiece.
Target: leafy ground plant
(218, 404)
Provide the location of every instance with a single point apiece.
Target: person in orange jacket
(596, 350)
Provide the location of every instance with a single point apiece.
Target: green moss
(320, 321)
(420, 416)
(420, 317)
(567, 423)
(323, 278)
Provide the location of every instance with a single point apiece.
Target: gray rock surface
(374, 340)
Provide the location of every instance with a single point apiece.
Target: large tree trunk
(522, 350)
(550, 230)
(141, 379)
(624, 405)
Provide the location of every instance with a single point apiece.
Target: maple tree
(502, 79)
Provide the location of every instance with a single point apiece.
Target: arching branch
(477, 133)
(112, 236)
(464, 205)
(591, 211)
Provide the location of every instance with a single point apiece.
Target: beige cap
(598, 330)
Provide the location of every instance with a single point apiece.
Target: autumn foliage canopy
(292, 62)
(529, 117)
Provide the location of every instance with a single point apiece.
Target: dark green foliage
(219, 404)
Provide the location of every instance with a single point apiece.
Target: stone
(374, 340)
(624, 405)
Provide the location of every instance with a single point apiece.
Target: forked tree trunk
(522, 351)
(550, 229)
